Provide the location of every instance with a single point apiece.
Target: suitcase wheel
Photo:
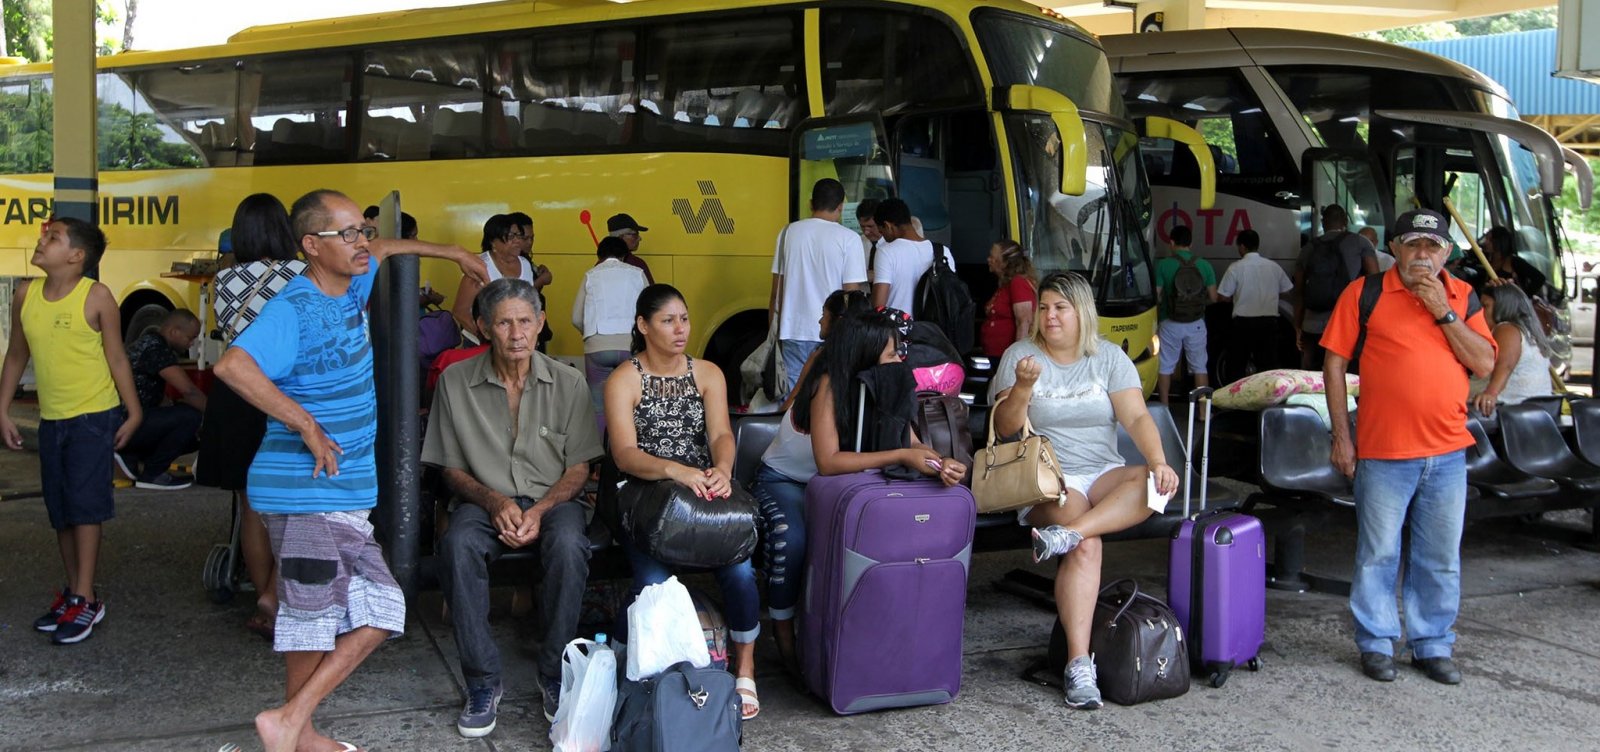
(217, 577)
(1254, 664)
(1218, 678)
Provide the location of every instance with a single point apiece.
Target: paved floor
(171, 670)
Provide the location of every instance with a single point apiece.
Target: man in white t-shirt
(815, 256)
(1253, 284)
(901, 261)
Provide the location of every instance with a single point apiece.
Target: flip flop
(749, 702)
(346, 746)
(261, 624)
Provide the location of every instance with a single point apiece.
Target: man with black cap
(1425, 333)
(623, 226)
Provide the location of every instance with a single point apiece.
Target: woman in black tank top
(667, 419)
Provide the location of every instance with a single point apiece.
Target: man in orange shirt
(1423, 336)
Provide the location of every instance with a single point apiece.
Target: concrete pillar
(76, 178)
(1178, 15)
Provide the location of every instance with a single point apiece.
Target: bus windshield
(1102, 232)
(1489, 178)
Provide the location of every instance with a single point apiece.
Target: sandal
(749, 702)
(261, 624)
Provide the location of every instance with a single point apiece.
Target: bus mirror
(1069, 124)
(1584, 175)
(1537, 140)
(1160, 127)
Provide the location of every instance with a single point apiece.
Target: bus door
(1347, 178)
(852, 150)
(948, 172)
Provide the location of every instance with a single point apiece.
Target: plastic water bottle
(600, 638)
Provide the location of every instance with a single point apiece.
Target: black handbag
(1139, 648)
(666, 521)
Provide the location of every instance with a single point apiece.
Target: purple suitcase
(886, 591)
(1217, 575)
(1218, 590)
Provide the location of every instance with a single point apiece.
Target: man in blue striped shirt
(306, 362)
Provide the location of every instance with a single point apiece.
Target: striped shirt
(317, 351)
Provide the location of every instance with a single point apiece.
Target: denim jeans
(472, 543)
(783, 534)
(597, 367)
(795, 354)
(1433, 491)
(741, 603)
(166, 433)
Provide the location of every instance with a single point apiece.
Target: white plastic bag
(588, 698)
(663, 629)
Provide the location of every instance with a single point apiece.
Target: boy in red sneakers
(69, 325)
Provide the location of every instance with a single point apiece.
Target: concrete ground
(171, 670)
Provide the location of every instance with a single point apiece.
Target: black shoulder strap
(938, 256)
(1371, 288)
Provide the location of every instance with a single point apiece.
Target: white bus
(1299, 120)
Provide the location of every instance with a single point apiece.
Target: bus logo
(710, 212)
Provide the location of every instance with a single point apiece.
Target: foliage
(30, 31)
(1522, 20)
(127, 140)
(1575, 219)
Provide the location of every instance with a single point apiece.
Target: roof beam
(1396, 8)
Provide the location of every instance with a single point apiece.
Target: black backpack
(943, 299)
(1189, 294)
(1326, 273)
(1371, 288)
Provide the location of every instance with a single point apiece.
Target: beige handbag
(1016, 474)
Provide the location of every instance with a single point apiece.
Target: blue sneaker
(78, 622)
(51, 618)
(551, 689)
(478, 717)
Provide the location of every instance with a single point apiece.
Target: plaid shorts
(332, 579)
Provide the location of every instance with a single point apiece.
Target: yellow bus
(705, 120)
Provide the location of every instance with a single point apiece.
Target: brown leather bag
(941, 423)
(1016, 474)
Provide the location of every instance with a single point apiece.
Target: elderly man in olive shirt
(513, 431)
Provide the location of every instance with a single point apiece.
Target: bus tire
(733, 343)
(143, 318)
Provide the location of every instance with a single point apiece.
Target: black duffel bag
(1139, 648)
(665, 520)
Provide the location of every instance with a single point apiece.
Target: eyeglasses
(517, 236)
(348, 234)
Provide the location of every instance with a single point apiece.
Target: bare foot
(312, 740)
(275, 732)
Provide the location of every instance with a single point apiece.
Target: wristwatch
(1448, 318)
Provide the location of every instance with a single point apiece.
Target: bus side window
(564, 90)
(727, 81)
(928, 65)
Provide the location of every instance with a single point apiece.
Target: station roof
(1521, 61)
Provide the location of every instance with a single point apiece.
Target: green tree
(30, 28)
(1522, 20)
(1574, 218)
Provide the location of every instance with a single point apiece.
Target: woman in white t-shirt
(603, 312)
(1074, 388)
(1522, 365)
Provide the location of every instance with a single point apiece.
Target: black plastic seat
(1533, 445)
(1295, 448)
(1496, 479)
(1172, 446)
(1586, 429)
(752, 434)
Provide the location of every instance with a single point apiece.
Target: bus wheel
(733, 343)
(145, 317)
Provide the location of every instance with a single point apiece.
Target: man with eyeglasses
(623, 226)
(306, 362)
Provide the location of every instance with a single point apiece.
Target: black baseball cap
(1422, 222)
(623, 222)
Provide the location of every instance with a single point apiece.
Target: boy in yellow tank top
(69, 325)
